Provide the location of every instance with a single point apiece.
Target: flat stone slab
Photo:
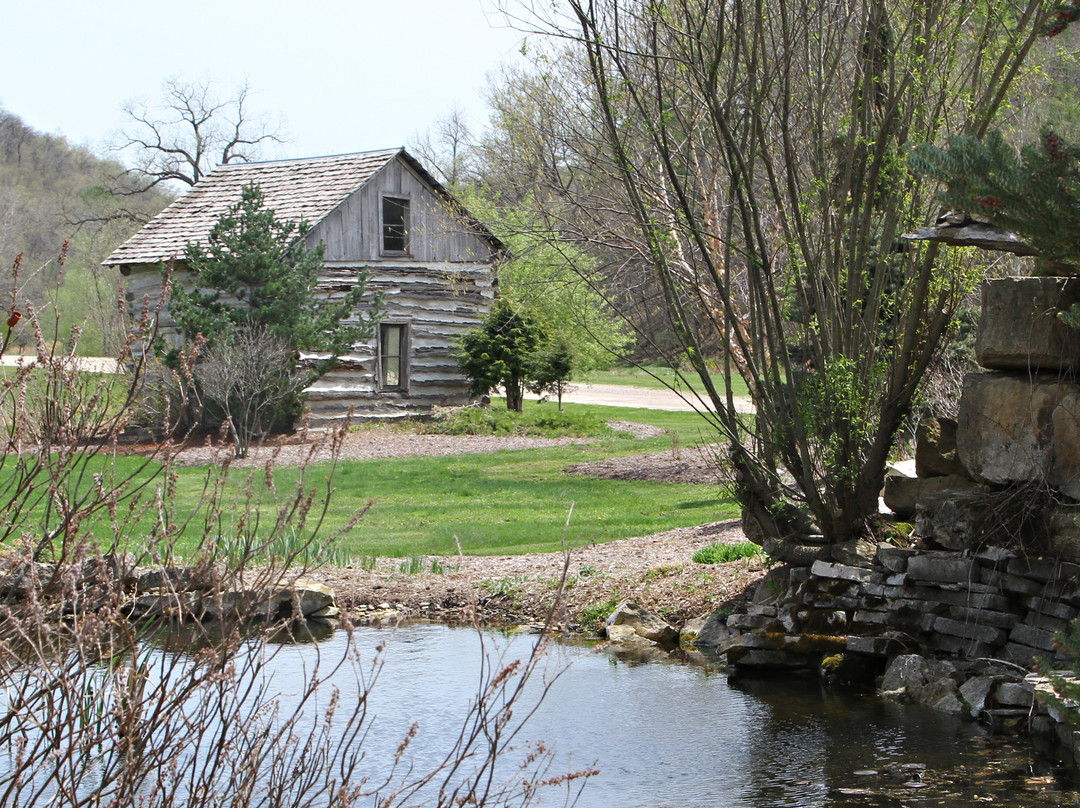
(1019, 328)
(946, 568)
(844, 572)
(1020, 429)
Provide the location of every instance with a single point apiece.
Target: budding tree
(753, 156)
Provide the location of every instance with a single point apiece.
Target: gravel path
(366, 444)
(656, 571)
(618, 395)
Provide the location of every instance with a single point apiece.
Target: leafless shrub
(172, 708)
(250, 377)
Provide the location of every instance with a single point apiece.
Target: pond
(670, 734)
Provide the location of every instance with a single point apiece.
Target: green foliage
(1034, 192)
(553, 282)
(256, 270)
(501, 352)
(552, 367)
(1066, 686)
(539, 421)
(508, 588)
(722, 553)
(52, 192)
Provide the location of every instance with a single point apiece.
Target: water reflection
(668, 734)
(662, 733)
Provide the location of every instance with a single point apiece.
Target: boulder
(1020, 429)
(940, 695)
(689, 633)
(935, 449)
(954, 518)
(714, 633)
(927, 681)
(643, 623)
(903, 672)
(1019, 328)
(20, 578)
(179, 579)
(903, 494)
(311, 597)
(894, 559)
(974, 692)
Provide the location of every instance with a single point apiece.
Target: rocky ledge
(203, 592)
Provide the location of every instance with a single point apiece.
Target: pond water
(682, 735)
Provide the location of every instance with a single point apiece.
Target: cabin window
(393, 343)
(395, 224)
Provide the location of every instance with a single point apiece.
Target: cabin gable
(355, 230)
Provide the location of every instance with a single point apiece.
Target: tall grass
(722, 553)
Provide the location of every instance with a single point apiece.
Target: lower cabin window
(393, 340)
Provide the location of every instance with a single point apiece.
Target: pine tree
(501, 352)
(255, 276)
(256, 270)
(1033, 192)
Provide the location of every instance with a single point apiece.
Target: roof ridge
(289, 161)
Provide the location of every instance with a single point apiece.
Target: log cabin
(377, 212)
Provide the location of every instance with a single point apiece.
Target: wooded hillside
(52, 192)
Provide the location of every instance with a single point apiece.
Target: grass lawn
(654, 377)
(499, 503)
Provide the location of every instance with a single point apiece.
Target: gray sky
(343, 76)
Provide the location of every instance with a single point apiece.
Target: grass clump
(593, 616)
(539, 421)
(722, 553)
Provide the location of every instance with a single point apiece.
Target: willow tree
(758, 156)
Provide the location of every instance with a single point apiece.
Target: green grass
(508, 502)
(502, 502)
(655, 376)
(721, 553)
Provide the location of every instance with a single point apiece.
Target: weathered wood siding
(353, 231)
(438, 302)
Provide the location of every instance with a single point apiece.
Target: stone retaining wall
(982, 617)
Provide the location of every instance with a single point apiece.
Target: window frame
(402, 357)
(405, 203)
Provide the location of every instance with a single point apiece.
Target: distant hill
(52, 191)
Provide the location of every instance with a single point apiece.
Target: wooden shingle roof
(295, 190)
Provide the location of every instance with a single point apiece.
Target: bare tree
(446, 151)
(189, 132)
(752, 155)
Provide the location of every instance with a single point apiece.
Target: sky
(341, 76)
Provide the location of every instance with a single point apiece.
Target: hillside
(52, 191)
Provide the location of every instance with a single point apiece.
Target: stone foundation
(987, 616)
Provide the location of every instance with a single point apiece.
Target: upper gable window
(395, 224)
